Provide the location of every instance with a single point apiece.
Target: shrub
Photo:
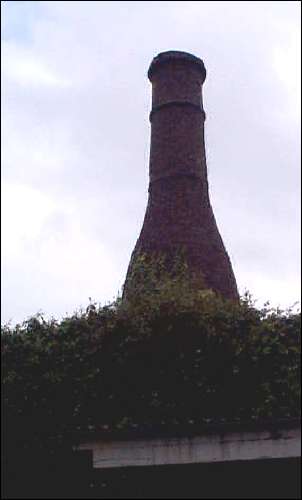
(166, 356)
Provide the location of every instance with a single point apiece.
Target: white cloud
(50, 259)
(24, 211)
(287, 64)
(75, 142)
(23, 68)
(279, 292)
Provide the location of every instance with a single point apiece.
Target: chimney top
(175, 55)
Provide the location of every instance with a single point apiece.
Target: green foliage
(167, 354)
(153, 289)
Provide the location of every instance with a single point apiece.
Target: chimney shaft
(179, 215)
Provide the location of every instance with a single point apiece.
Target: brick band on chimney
(197, 107)
(179, 215)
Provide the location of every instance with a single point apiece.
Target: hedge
(172, 356)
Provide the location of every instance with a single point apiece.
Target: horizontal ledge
(172, 56)
(169, 104)
(228, 447)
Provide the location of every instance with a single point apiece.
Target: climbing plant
(166, 357)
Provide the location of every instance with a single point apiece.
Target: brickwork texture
(179, 216)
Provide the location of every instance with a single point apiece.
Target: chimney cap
(175, 55)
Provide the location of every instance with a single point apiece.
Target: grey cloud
(86, 145)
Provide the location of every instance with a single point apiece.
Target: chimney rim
(175, 55)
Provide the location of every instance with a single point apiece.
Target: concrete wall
(222, 447)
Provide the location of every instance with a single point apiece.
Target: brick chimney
(179, 215)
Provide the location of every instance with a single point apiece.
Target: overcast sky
(76, 136)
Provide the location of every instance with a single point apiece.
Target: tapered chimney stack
(179, 216)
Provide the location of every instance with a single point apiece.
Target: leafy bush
(167, 354)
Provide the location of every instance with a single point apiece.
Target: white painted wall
(200, 449)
